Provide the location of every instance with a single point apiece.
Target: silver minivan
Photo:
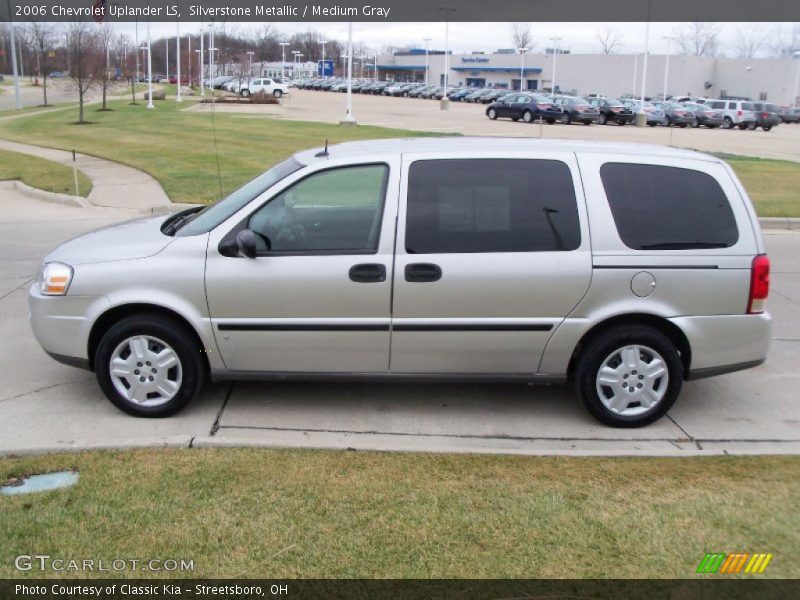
(623, 269)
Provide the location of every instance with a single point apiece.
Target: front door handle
(368, 273)
(423, 272)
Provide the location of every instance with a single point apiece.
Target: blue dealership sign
(325, 68)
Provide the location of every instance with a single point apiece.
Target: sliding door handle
(423, 272)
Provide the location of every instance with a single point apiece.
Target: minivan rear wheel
(629, 376)
(149, 365)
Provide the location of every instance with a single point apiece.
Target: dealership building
(772, 79)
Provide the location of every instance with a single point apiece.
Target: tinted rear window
(491, 205)
(668, 208)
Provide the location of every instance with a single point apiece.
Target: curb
(43, 195)
(786, 223)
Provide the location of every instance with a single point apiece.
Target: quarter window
(491, 205)
(338, 210)
(668, 208)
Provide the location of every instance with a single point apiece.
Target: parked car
(489, 275)
(611, 111)
(703, 115)
(576, 110)
(56, 74)
(767, 115)
(266, 85)
(735, 113)
(528, 107)
(675, 114)
(655, 116)
(789, 114)
(430, 92)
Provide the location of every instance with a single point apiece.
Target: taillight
(764, 115)
(739, 113)
(759, 284)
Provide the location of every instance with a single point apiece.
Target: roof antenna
(322, 152)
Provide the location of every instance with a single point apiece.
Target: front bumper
(62, 324)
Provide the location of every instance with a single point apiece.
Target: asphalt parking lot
(782, 142)
(48, 406)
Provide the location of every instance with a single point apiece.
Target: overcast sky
(468, 37)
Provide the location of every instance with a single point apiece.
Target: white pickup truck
(268, 86)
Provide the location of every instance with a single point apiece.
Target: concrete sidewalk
(114, 185)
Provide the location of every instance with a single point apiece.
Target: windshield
(214, 214)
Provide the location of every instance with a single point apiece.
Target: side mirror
(246, 243)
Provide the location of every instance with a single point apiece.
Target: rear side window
(668, 208)
(491, 205)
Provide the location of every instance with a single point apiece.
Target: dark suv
(612, 111)
(767, 115)
(528, 107)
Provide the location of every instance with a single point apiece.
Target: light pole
(348, 117)
(796, 79)
(427, 42)
(641, 117)
(323, 59)
(666, 67)
(166, 57)
(250, 63)
(202, 63)
(178, 98)
(445, 103)
(375, 72)
(137, 50)
(149, 70)
(211, 49)
(283, 59)
(297, 69)
(18, 102)
(555, 40)
(522, 52)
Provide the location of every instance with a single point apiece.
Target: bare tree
(785, 42)
(106, 39)
(521, 35)
(610, 40)
(698, 39)
(86, 56)
(749, 40)
(43, 37)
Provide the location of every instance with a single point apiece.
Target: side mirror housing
(246, 243)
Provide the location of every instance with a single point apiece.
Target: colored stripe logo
(731, 564)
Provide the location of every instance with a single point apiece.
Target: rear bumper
(725, 343)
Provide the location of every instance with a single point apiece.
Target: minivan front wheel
(629, 376)
(149, 365)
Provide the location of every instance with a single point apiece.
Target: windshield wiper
(682, 245)
(175, 222)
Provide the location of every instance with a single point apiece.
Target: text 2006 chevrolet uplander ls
(625, 269)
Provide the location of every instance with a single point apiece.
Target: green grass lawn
(42, 174)
(177, 147)
(307, 513)
(773, 185)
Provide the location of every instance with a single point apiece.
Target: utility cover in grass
(40, 483)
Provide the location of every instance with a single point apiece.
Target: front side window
(491, 205)
(337, 210)
(668, 208)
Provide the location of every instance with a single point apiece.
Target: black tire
(727, 123)
(566, 118)
(277, 93)
(173, 333)
(744, 126)
(683, 125)
(551, 121)
(667, 122)
(602, 346)
(527, 116)
(602, 119)
(695, 124)
(767, 127)
(245, 93)
(711, 126)
(492, 114)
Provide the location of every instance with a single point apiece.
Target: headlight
(55, 279)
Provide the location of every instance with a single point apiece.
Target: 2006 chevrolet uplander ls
(622, 268)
